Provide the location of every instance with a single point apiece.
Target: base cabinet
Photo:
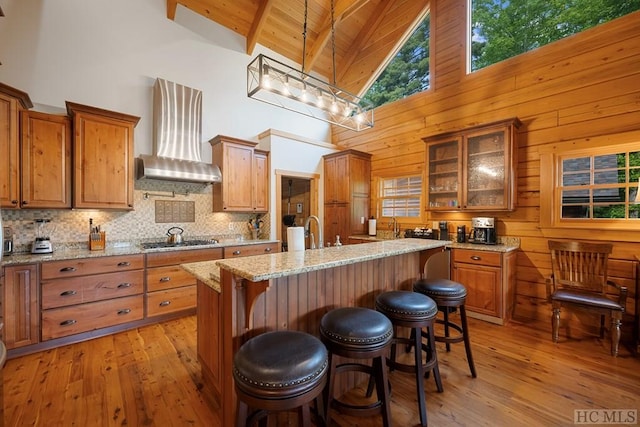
(20, 305)
(490, 280)
(171, 289)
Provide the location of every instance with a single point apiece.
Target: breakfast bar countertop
(271, 266)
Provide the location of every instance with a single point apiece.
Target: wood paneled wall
(567, 92)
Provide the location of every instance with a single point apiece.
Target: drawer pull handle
(124, 264)
(67, 293)
(68, 322)
(124, 285)
(476, 258)
(267, 250)
(67, 269)
(124, 311)
(165, 279)
(236, 252)
(164, 303)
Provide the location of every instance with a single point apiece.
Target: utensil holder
(97, 241)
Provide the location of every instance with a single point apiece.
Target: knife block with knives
(97, 238)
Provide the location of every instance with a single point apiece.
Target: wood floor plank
(151, 377)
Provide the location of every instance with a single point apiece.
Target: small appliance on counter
(444, 230)
(421, 233)
(461, 234)
(42, 243)
(7, 240)
(483, 231)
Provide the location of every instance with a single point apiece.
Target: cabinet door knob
(68, 322)
(236, 252)
(24, 202)
(67, 293)
(267, 249)
(124, 285)
(124, 311)
(67, 269)
(14, 202)
(164, 303)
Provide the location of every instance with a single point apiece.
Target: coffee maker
(483, 231)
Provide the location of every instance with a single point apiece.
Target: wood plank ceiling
(368, 33)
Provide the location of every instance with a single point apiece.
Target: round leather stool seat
(417, 312)
(279, 371)
(358, 333)
(441, 289)
(449, 296)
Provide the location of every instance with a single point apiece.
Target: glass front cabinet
(473, 169)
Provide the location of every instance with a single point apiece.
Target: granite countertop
(77, 251)
(505, 244)
(271, 266)
(205, 271)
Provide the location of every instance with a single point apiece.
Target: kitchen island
(241, 298)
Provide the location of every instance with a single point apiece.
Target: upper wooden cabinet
(46, 161)
(347, 198)
(473, 169)
(245, 176)
(12, 103)
(103, 158)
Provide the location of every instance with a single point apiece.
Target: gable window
(400, 197)
(501, 29)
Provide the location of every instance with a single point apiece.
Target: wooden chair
(580, 280)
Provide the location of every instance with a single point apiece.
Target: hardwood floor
(151, 377)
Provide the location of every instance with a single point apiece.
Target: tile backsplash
(72, 226)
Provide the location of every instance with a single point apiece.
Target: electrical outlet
(361, 220)
(230, 226)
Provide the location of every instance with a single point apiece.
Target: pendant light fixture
(278, 84)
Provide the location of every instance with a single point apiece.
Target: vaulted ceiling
(368, 33)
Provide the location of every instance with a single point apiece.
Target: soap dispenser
(338, 243)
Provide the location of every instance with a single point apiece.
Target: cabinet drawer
(78, 290)
(470, 256)
(60, 322)
(81, 267)
(160, 259)
(171, 300)
(173, 276)
(248, 250)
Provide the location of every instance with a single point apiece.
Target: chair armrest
(622, 299)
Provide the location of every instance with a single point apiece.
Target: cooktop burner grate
(160, 245)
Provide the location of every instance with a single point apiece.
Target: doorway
(296, 199)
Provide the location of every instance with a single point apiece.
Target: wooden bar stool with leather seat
(449, 296)
(358, 333)
(415, 311)
(279, 371)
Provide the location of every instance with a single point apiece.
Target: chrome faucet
(396, 230)
(306, 228)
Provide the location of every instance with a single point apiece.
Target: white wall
(108, 53)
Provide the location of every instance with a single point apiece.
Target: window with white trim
(400, 196)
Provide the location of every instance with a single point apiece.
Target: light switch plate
(298, 207)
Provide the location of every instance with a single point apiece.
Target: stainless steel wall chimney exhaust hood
(177, 130)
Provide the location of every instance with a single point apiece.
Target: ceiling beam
(343, 9)
(259, 21)
(172, 5)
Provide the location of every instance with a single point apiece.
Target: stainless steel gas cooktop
(161, 245)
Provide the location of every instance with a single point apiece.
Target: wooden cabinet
(46, 160)
(20, 305)
(474, 169)
(245, 176)
(490, 281)
(171, 289)
(12, 103)
(347, 198)
(248, 250)
(83, 295)
(103, 158)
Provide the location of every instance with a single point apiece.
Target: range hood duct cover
(177, 130)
